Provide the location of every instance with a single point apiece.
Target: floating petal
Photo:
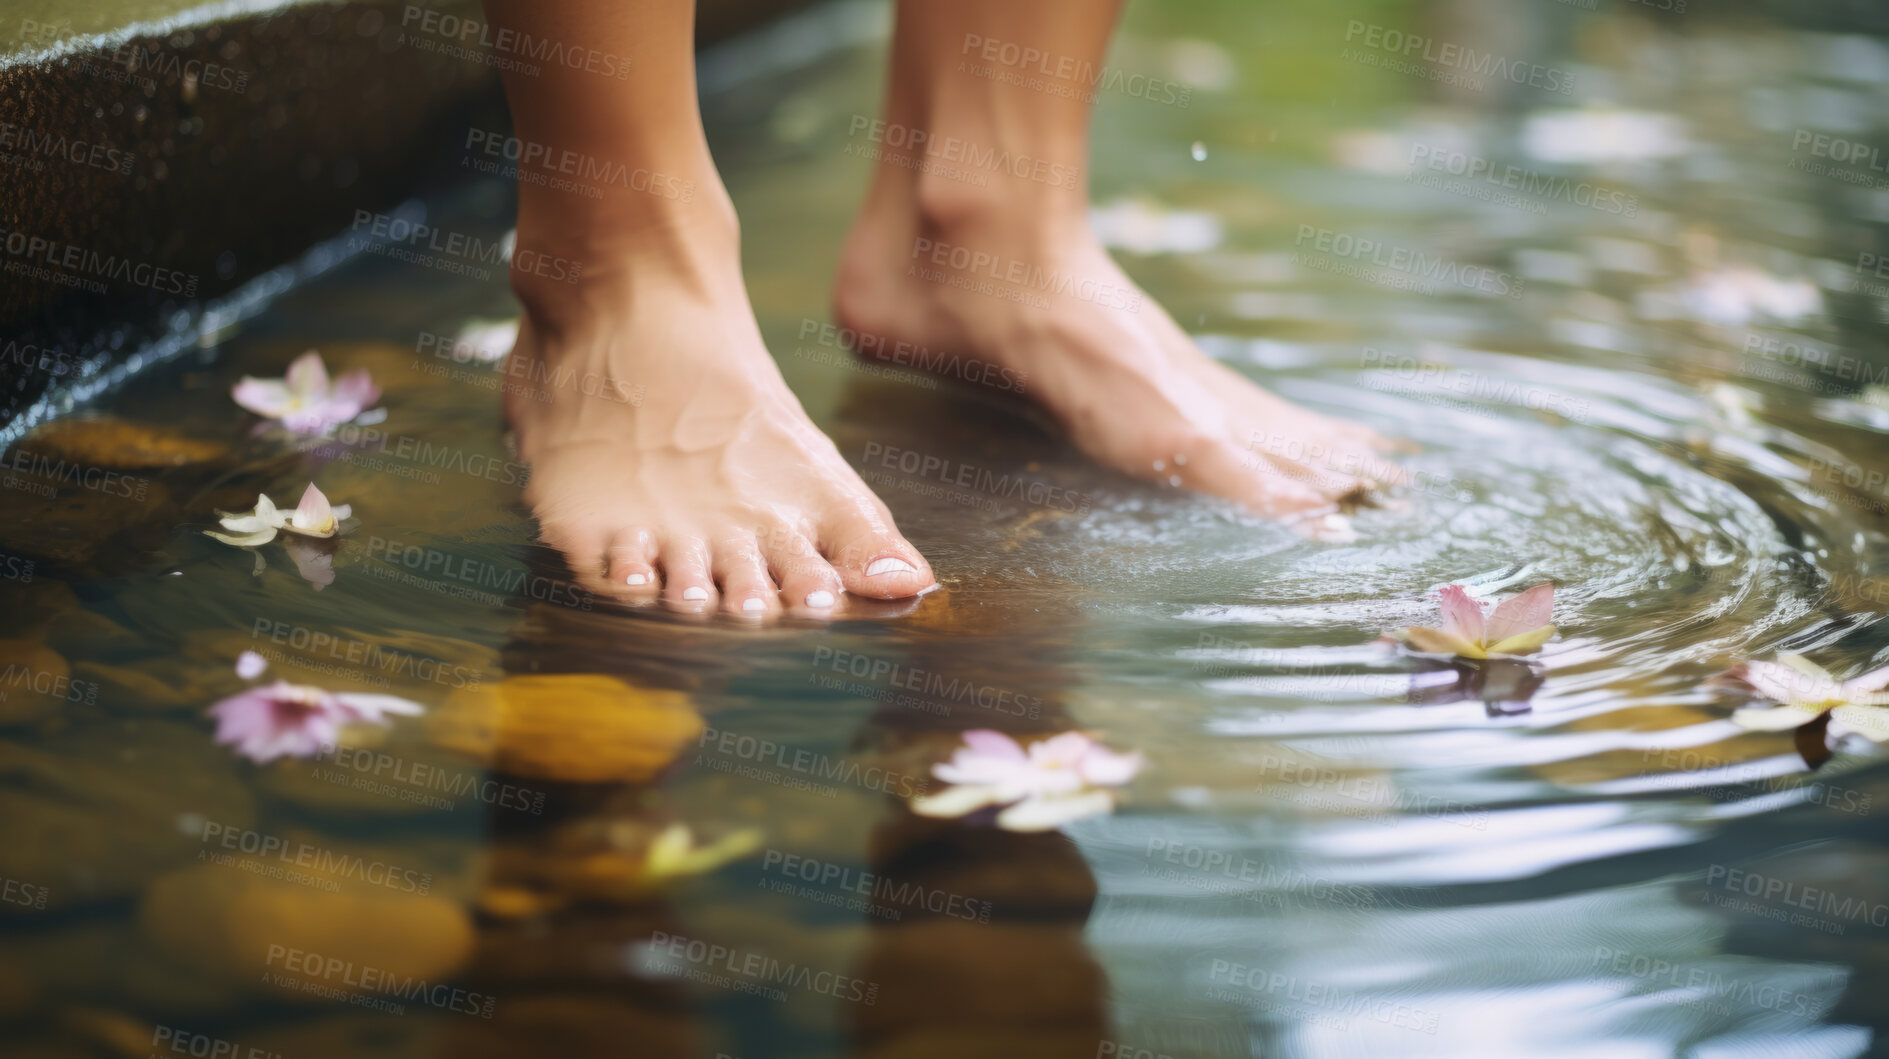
(1462, 616)
(1048, 811)
(1522, 643)
(307, 377)
(1773, 719)
(957, 801)
(313, 516)
(268, 398)
(1102, 767)
(374, 708)
(1870, 722)
(1523, 613)
(1439, 642)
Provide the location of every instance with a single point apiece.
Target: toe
(870, 556)
(746, 588)
(686, 579)
(630, 564)
(583, 551)
(808, 582)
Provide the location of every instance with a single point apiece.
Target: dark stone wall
(138, 181)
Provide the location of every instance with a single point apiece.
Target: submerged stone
(108, 441)
(572, 728)
(66, 513)
(294, 938)
(603, 861)
(35, 682)
(93, 814)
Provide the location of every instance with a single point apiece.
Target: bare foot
(1014, 276)
(672, 461)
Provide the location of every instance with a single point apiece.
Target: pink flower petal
(1875, 680)
(1519, 614)
(313, 513)
(968, 766)
(991, 743)
(1462, 616)
(356, 390)
(307, 376)
(1062, 750)
(1102, 767)
(309, 421)
(268, 722)
(295, 720)
(268, 398)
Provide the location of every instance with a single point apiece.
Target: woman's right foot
(671, 461)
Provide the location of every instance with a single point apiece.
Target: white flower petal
(1045, 812)
(371, 707)
(956, 801)
(1775, 719)
(268, 398)
(1807, 667)
(244, 540)
(1870, 722)
(1105, 768)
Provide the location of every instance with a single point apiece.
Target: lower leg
(668, 457)
(992, 256)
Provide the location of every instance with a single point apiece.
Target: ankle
(575, 264)
(1006, 207)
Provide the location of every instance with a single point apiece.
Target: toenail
(1160, 465)
(1180, 459)
(1174, 480)
(822, 598)
(891, 564)
(695, 592)
(636, 579)
(754, 603)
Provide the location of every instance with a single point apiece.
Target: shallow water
(1331, 852)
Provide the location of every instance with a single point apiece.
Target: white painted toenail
(697, 592)
(754, 604)
(1160, 465)
(891, 564)
(822, 598)
(1180, 460)
(1174, 479)
(636, 579)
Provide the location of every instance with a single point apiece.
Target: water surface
(1644, 364)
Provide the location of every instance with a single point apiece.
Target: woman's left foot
(1019, 280)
